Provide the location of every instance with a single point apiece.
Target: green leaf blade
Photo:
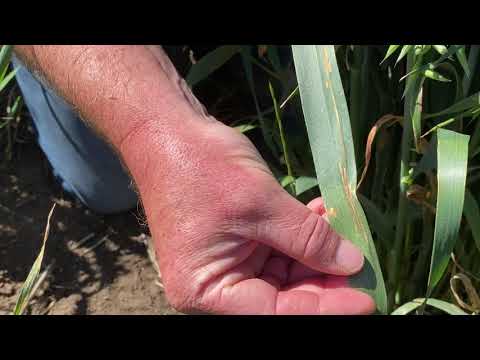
(438, 304)
(28, 286)
(461, 107)
(5, 55)
(390, 51)
(462, 59)
(329, 131)
(452, 155)
(7, 79)
(210, 63)
(441, 49)
(434, 75)
(243, 128)
(304, 183)
(432, 65)
(403, 52)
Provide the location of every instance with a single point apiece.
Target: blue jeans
(85, 165)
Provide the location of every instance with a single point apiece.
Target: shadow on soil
(109, 273)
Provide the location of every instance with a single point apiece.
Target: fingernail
(349, 257)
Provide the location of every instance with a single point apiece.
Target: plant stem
(406, 262)
(402, 220)
(282, 136)
(247, 65)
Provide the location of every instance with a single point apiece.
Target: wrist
(158, 149)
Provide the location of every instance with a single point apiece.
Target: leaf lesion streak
(350, 195)
(338, 127)
(351, 203)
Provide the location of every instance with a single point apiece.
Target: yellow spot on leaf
(326, 61)
(331, 212)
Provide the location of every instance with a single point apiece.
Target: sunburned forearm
(120, 90)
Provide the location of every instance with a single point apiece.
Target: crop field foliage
(388, 136)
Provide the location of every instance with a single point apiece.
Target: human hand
(230, 240)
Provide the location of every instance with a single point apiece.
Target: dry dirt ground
(96, 265)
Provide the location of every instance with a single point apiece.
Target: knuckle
(319, 241)
(240, 211)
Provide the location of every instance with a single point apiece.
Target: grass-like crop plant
(5, 76)
(10, 105)
(389, 137)
(415, 200)
(329, 131)
(34, 277)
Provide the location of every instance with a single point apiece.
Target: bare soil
(109, 273)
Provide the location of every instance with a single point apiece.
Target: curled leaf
(386, 119)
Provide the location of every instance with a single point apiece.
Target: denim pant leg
(84, 163)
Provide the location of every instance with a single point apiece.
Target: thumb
(305, 235)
